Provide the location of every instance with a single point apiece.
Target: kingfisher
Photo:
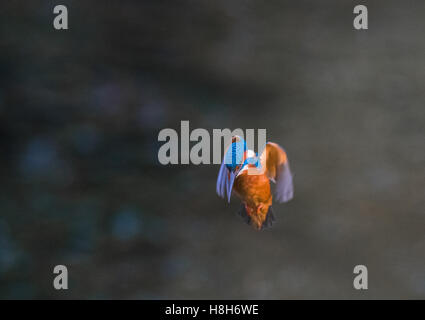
(248, 176)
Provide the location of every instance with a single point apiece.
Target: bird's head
(257, 213)
(257, 209)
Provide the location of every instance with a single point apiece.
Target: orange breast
(253, 189)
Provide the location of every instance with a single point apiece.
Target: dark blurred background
(80, 113)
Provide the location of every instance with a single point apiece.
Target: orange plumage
(250, 181)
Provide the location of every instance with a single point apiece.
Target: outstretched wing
(225, 182)
(276, 165)
(226, 178)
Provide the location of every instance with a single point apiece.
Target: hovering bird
(248, 176)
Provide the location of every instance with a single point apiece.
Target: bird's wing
(226, 178)
(225, 182)
(276, 165)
